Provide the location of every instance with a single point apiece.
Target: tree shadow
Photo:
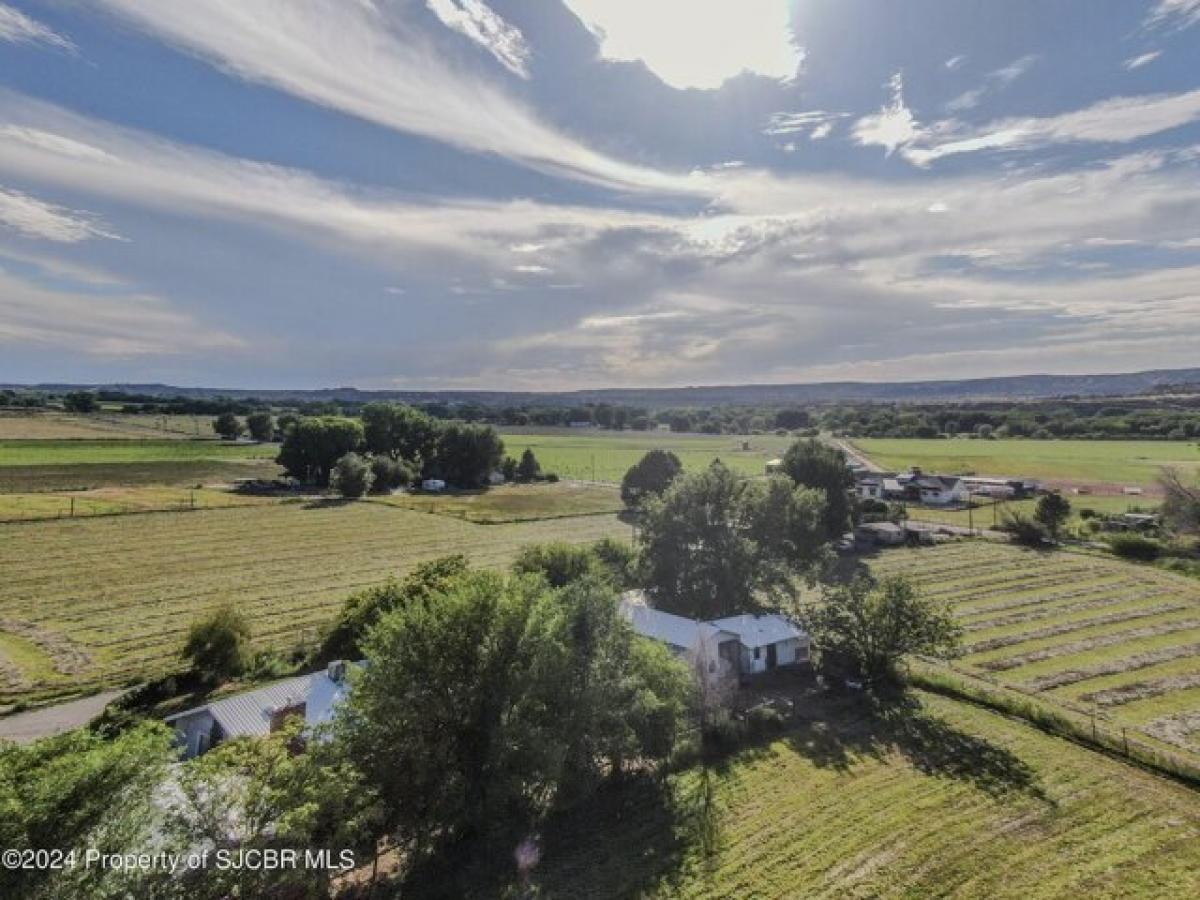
(852, 728)
(327, 502)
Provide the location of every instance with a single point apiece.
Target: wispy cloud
(954, 62)
(1136, 62)
(18, 28)
(477, 21)
(817, 123)
(1174, 14)
(376, 63)
(31, 217)
(994, 82)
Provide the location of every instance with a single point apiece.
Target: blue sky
(552, 194)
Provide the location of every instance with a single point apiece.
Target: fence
(1062, 718)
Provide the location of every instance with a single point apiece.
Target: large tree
(466, 454)
(218, 645)
(484, 704)
(650, 476)
(1181, 502)
(715, 544)
(863, 629)
(811, 463)
(401, 432)
(81, 791)
(1052, 512)
(261, 426)
(313, 446)
(228, 426)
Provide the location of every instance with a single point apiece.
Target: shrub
(389, 473)
(764, 722)
(1135, 547)
(1024, 530)
(218, 647)
(352, 476)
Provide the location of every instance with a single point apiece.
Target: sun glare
(696, 45)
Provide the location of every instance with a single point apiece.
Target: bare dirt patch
(67, 657)
(1179, 729)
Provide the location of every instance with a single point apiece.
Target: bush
(1135, 547)
(559, 563)
(352, 476)
(389, 474)
(1024, 530)
(1088, 513)
(218, 647)
(764, 722)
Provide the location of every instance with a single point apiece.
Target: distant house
(496, 478)
(262, 711)
(774, 466)
(935, 490)
(734, 646)
(870, 487)
(433, 484)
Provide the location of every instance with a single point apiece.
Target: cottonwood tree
(466, 454)
(400, 432)
(863, 629)
(352, 476)
(483, 705)
(313, 446)
(228, 426)
(715, 544)
(811, 463)
(650, 476)
(261, 426)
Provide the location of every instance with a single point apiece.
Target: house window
(758, 652)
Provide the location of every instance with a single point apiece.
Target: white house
(261, 711)
(766, 641)
(737, 645)
(716, 651)
(433, 484)
(936, 490)
(870, 487)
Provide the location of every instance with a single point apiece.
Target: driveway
(28, 726)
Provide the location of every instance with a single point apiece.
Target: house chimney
(336, 670)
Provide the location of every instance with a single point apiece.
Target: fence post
(72, 507)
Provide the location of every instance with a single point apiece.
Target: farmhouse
(870, 486)
(734, 646)
(262, 711)
(936, 490)
(774, 466)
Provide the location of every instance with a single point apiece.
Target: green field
(90, 602)
(49, 425)
(1087, 631)
(945, 801)
(1067, 462)
(70, 452)
(514, 503)
(595, 455)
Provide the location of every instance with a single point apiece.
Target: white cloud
(817, 122)
(31, 217)
(954, 62)
(104, 324)
(1174, 14)
(1136, 62)
(477, 21)
(18, 28)
(1117, 120)
(376, 63)
(696, 45)
(893, 126)
(995, 81)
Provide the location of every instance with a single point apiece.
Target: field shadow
(846, 730)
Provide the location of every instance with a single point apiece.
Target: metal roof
(758, 631)
(678, 631)
(249, 713)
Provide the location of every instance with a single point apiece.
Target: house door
(772, 659)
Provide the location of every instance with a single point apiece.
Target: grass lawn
(594, 455)
(70, 452)
(944, 800)
(122, 590)
(1069, 462)
(514, 503)
(1087, 631)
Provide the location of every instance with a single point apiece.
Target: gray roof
(249, 713)
(678, 631)
(758, 631)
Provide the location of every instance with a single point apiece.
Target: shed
(767, 641)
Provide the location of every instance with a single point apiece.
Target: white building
(433, 484)
(262, 711)
(736, 645)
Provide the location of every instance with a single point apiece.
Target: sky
(559, 194)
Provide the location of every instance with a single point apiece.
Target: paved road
(49, 720)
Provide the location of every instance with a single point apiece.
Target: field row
(123, 590)
(1085, 630)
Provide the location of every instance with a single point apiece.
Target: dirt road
(49, 720)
